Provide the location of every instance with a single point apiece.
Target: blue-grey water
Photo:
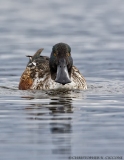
(37, 125)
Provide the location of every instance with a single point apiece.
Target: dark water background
(38, 125)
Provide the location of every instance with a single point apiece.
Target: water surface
(41, 125)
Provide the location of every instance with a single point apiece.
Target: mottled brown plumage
(37, 66)
(37, 75)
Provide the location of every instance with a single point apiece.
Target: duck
(52, 73)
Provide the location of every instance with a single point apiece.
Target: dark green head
(61, 63)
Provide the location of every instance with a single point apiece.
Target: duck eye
(68, 54)
(54, 54)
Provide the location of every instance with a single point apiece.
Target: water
(41, 125)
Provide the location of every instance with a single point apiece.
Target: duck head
(61, 63)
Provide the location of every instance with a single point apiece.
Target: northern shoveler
(56, 72)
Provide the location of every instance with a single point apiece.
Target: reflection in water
(41, 124)
(57, 115)
(62, 143)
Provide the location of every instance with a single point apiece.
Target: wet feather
(37, 75)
